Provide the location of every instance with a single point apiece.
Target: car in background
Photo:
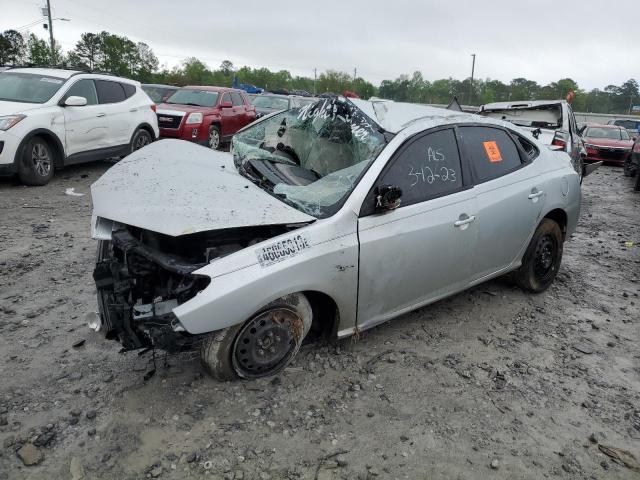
(332, 218)
(631, 126)
(157, 92)
(550, 121)
(268, 103)
(206, 115)
(607, 143)
(50, 118)
(632, 165)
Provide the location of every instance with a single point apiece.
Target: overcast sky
(543, 40)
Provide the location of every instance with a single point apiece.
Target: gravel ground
(491, 383)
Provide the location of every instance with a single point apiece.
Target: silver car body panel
(364, 264)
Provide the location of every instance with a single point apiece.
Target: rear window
(492, 153)
(236, 99)
(109, 92)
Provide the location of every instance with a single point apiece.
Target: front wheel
(542, 258)
(35, 166)
(214, 137)
(263, 345)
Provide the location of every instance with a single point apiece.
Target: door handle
(537, 194)
(464, 221)
(101, 115)
(133, 110)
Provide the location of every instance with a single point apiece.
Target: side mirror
(387, 198)
(74, 101)
(226, 104)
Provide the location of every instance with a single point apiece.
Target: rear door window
(428, 167)
(490, 151)
(226, 98)
(236, 99)
(84, 88)
(109, 92)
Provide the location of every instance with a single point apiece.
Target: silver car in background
(330, 218)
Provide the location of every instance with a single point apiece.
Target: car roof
(159, 85)
(49, 72)
(211, 88)
(521, 104)
(395, 116)
(602, 125)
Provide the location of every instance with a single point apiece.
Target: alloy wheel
(143, 139)
(41, 159)
(214, 139)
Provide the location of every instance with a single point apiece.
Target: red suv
(206, 115)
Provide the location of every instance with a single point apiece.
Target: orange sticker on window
(493, 152)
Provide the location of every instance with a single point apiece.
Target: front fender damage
(142, 276)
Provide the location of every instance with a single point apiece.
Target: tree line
(121, 56)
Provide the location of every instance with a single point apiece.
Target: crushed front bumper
(138, 286)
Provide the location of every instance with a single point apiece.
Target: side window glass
(491, 151)
(225, 98)
(84, 88)
(109, 92)
(236, 99)
(428, 167)
(129, 89)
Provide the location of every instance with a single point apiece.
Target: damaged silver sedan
(328, 219)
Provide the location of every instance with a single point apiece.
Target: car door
(509, 195)
(229, 118)
(86, 126)
(239, 110)
(112, 96)
(422, 250)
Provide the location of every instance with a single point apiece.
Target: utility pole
(473, 68)
(315, 78)
(355, 74)
(53, 47)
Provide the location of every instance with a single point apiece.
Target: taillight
(560, 140)
(153, 107)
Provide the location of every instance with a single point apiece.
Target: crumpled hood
(176, 188)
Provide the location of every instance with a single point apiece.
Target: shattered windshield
(542, 116)
(310, 157)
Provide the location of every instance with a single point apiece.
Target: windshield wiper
(186, 103)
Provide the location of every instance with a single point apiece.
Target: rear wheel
(542, 258)
(35, 166)
(140, 139)
(263, 345)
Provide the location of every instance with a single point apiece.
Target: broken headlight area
(141, 276)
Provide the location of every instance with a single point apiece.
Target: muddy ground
(492, 383)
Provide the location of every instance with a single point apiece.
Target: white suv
(50, 118)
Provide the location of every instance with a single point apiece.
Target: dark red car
(608, 143)
(205, 115)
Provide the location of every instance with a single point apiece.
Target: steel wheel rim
(142, 141)
(267, 342)
(214, 138)
(41, 159)
(545, 258)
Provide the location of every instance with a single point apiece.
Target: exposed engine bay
(141, 276)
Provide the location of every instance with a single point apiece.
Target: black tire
(637, 185)
(628, 169)
(214, 140)
(287, 321)
(542, 258)
(141, 138)
(36, 162)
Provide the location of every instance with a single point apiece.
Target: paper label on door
(493, 152)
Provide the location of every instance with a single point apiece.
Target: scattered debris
(623, 457)
(71, 191)
(30, 454)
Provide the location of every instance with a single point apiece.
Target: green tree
(226, 67)
(38, 51)
(195, 72)
(12, 47)
(88, 52)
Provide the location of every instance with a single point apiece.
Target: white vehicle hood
(175, 187)
(12, 108)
